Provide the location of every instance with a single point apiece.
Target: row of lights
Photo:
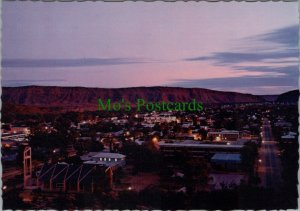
(109, 159)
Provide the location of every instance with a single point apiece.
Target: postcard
(149, 105)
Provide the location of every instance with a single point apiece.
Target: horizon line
(174, 87)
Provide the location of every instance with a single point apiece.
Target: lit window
(108, 159)
(116, 159)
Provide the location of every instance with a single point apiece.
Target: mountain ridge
(288, 97)
(84, 98)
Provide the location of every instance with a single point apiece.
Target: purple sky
(244, 47)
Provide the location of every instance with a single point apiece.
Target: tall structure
(27, 163)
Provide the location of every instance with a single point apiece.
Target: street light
(155, 139)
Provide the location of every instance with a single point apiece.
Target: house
(290, 137)
(112, 160)
(283, 124)
(170, 147)
(224, 135)
(230, 161)
(163, 117)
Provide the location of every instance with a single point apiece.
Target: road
(10, 182)
(11, 173)
(269, 166)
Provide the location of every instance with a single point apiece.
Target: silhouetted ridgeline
(64, 96)
(269, 98)
(289, 97)
(80, 98)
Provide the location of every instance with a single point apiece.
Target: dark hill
(289, 97)
(269, 98)
(79, 98)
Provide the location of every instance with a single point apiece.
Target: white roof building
(104, 158)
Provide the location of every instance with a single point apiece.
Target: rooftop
(70, 172)
(225, 157)
(197, 144)
(108, 155)
(101, 155)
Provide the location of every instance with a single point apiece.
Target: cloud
(284, 46)
(55, 63)
(288, 71)
(14, 83)
(274, 54)
(236, 82)
(257, 84)
(227, 58)
(287, 36)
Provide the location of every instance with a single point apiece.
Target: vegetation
(248, 156)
